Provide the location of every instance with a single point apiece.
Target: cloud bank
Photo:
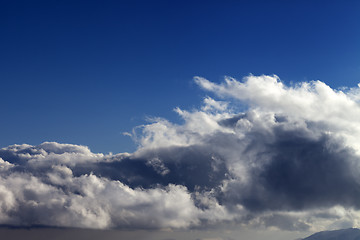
(262, 154)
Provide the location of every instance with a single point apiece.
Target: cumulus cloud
(261, 154)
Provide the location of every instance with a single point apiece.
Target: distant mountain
(343, 234)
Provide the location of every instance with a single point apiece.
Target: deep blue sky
(83, 72)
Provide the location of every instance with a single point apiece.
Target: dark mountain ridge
(342, 234)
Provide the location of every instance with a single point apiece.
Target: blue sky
(83, 72)
(232, 151)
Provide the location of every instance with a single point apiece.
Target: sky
(219, 119)
(84, 72)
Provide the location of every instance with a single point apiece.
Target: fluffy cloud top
(265, 154)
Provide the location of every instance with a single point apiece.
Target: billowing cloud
(262, 154)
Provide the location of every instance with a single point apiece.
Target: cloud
(48, 186)
(263, 155)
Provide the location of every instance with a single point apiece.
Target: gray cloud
(298, 173)
(289, 161)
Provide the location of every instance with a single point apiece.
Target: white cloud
(289, 161)
(309, 101)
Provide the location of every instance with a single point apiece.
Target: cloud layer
(264, 155)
